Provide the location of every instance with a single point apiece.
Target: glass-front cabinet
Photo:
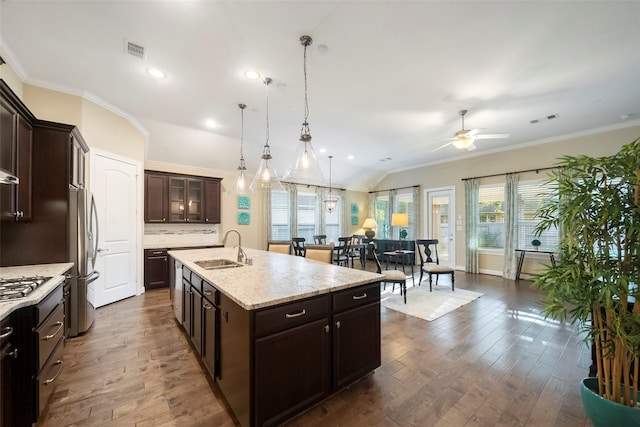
(185, 200)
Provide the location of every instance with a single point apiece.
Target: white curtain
(392, 209)
(293, 212)
(415, 217)
(471, 200)
(510, 219)
(267, 215)
(321, 221)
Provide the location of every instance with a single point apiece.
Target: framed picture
(354, 208)
(244, 218)
(354, 220)
(244, 202)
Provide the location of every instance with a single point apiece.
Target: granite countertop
(55, 271)
(272, 278)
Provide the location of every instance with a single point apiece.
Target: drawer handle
(207, 306)
(360, 297)
(6, 332)
(157, 252)
(59, 325)
(14, 353)
(50, 380)
(291, 316)
(208, 293)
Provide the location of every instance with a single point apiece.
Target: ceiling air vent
(135, 50)
(544, 119)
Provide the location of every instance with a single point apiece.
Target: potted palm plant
(595, 204)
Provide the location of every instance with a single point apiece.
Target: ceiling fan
(464, 138)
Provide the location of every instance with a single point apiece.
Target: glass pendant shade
(266, 176)
(241, 183)
(331, 201)
(305, 168)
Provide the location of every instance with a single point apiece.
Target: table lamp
(369, 224)
(400, 220)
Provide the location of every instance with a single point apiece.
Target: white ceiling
(389, 85)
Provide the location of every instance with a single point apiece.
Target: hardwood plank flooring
(493, 362)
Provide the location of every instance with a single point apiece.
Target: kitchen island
(281, 334)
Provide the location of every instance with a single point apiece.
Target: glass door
(177, 203)
(441, 222)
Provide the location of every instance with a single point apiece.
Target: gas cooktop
(20, 287)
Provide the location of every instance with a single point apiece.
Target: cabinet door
(291, 371)
(156, 268)
(356, 341)
(24, 144)
(212, 201)
(156, 188)
(209, 336)
(7, 158)
(196, 319)
(187, 306)
(8, 386)
(177, 197)
(77, 162)
(194, 200)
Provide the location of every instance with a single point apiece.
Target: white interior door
(114, 183)
(440, 222)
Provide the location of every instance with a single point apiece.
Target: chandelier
(240, 184)
(332, 201)
(305, 168)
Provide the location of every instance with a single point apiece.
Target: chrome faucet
(241, 253)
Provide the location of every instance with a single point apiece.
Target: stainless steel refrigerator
(83, 222)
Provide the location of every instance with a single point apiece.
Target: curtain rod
(313, 185)
(393, 189)
(507, 173)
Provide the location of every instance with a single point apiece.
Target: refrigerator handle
(94, 211)
(93, 277)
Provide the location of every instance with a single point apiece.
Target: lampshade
(369, 224)
(399, 219)
(266, 176)
(306, 167)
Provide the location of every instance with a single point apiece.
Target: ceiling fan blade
(493, 136)
(442, 146)
(473, 132)
(471, 147)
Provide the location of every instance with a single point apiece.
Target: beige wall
(538, 156)
(362, 200)
(11, 78)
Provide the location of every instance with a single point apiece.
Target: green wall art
(244, 202)
(354, 220)
(354, 208)
(244, 218)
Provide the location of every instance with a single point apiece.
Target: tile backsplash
(177, 234)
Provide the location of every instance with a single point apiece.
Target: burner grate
(20, 287)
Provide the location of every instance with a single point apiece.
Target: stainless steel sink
(217, 264)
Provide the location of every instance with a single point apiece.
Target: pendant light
(266, 177)
(241, 184)
(305, 168)
(332, 201)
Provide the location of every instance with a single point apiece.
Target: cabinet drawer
(287, 316)
(356, 297)
(210, 292)
(155, 252)
(47, 305)
(186, 274)
(196, 282)
(48, 334)
(47, 379)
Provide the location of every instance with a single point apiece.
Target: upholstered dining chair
(281, 246)
(391, 276)
(341, 252)
(430, 263)
(320, 239)
(298, 245)
(322, 253)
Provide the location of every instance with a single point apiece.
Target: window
(531, 196)
(491, 217)
(280, 229)
(404, 204)
(306, 215)
(382, 217)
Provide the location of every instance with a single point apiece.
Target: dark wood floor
(493, 362)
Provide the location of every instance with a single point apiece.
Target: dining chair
(341, 252)
(391, 276)
(430, 262)
(320, 239)
(298, 245)
(319, 252)
(357, 249)
(281, 246)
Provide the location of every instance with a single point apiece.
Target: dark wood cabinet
(210, 321)
(156, 198)
(10, 389)
(16, 145)
(181, 198)
(212, 189)
(77, 162)
(68, 304)
(156, 268)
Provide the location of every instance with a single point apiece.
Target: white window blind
(333, 221)
(491, 217)
(306, 215)
(531, 196)
(280, 227)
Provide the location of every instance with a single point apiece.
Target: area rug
(424, 304)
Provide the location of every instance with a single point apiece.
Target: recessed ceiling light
(157, 73)
(323, 150)
(252, 74)
(210, 123)
(350, 157)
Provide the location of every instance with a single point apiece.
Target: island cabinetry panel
(356, 329)
(10, 389)
(156, 197)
